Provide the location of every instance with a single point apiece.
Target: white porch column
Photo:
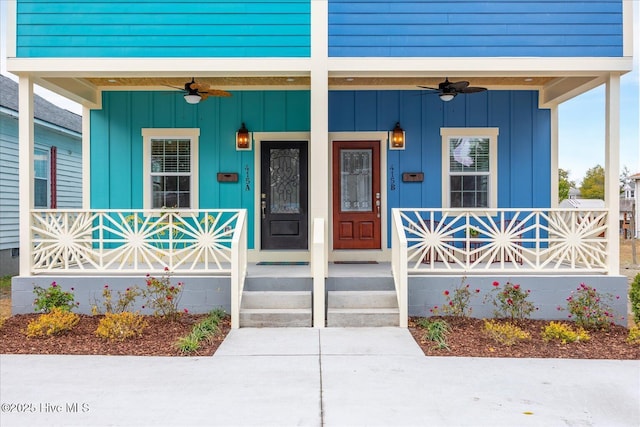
(554, 157)
(86, 158)
(25, 169)
(612, 168)
(319, 150)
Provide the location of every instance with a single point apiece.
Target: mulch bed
(158, 338)
(465, 339)
(468, 339)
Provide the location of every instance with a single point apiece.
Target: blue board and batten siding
(462, 28)
(194, 29)
(117, 151)
(524, 148)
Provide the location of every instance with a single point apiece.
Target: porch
(553, 250)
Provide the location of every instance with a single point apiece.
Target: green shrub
(510, 302)
(634, 298)
(121, 326)
(505, 333)
(457, 302)
(563, 333)
(57, 321)
(163, 297)
(590, 309)
(53, 297)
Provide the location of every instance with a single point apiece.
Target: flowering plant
(457, 303)
(54, 296)
(162, 296)
(510, 301)
(590, 309)
(123, 303)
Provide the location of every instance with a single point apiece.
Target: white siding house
(57, 165)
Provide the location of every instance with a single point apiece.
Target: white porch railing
(131, 241)
(506, 240)
(318, 272)
(399, 267)
(238, 267)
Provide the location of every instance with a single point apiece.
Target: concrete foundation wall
(547, 293)
(9, 265)
(199, 295)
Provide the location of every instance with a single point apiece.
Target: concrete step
(364, 308)
(276, 299)
(275, 309)
(275, 318)
(362, 317)
(362, 299)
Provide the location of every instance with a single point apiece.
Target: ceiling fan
(448, 90)
(196, 92)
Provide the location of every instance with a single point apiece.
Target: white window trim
(492, 134)
(148, 134)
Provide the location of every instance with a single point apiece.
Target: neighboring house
(57, 165)
(239, 133)
(627, 207)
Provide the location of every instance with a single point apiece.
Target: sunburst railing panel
(508, 240)
(132, 240)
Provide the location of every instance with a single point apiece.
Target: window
(469, 166)
(170, 168)
(41, 179)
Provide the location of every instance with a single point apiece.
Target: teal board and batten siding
(463, 28)
(524, 140)
(152, 28)
(117, 151)
(69, 173)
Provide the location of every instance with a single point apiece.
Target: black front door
(283, 195)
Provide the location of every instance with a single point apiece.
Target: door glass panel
(356, 180)
(284, 166)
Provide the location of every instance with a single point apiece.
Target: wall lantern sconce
(397, 138)
(243, 138)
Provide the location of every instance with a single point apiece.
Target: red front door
(356, 195)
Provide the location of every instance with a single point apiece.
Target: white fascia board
(454, 67)
(10, 35)
(627, 26)
(160, 67)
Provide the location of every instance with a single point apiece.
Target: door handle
(263, 206)
(378, 206)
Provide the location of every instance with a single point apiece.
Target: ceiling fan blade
(174, 87)
(215, 92)
(427, 87)
(458, 86)
(472, 89)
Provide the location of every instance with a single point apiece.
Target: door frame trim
(383, 254)
(257, 254)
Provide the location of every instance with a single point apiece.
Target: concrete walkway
(310, 377)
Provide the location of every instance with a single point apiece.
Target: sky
(581, 119)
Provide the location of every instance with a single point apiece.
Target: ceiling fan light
(192, 98)
(446, 97)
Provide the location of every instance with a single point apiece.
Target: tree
(624, 178)
(564, 185)
(592, 186)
